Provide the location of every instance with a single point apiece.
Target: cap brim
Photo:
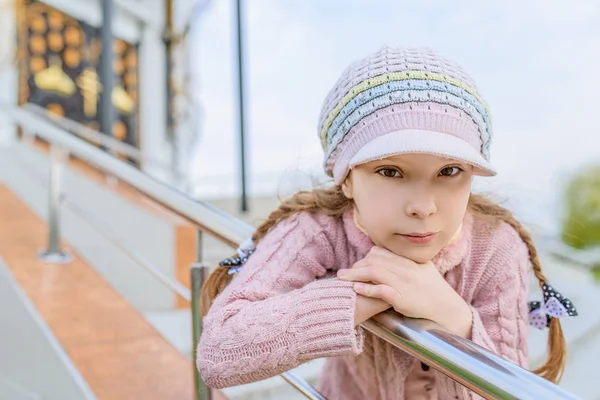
(415, 141)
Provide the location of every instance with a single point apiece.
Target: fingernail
(359, 287)
(342, 272)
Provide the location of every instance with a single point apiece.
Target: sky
(537, 64)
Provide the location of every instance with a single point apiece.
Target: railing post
(53, 254)
(199, 273)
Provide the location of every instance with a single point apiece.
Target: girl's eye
(450, 171)
(389, 173)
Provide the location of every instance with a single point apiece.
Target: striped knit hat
(400, 101)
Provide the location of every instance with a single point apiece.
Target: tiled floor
(185, 231)
(117, 351)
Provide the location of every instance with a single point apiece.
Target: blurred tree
(581, 226)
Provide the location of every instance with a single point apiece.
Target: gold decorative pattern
(58, 59)
(122, 101)
(54, 79)
(90, 88)
(38, 24)
(37, 64)
(72, 57)
(56, 109)
(132, 61)
(56, 20)
(119, 47)
(131, 79)
(55, 41)
(119, 130)
(73, 36)
(37, 44)
(118, 66)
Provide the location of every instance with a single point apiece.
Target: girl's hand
(414, 290)
(366, 307)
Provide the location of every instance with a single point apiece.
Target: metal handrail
(485, 373)
(121, 243)
(205, 216)
(473, 366)
(116, 240)
(98, 138)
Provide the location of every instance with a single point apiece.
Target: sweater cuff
(326, 327)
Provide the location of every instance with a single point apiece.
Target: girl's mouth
(419, 238)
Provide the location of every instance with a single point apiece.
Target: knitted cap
(400, 101)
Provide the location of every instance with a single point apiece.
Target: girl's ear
(347, 187)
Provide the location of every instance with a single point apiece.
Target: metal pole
(107, 78)
(199, 242)
(54, 254)
(106, 74)
(106, 68)
(199, 273)
(168, 38)
(244, 199)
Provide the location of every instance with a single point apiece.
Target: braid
(554, 367)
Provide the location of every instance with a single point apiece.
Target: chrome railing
(114, 145)
(485, 373)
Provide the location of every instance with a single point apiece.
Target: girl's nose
(421, 207)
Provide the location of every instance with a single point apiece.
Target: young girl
(404, 131)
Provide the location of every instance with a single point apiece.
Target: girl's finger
(372, 274)
(396, 268)
(380, 251)
(383, 257)
(360, 263)
(382, 292)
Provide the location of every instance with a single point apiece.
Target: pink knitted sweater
(284, 308)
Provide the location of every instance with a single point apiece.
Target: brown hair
(334, 203)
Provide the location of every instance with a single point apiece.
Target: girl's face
(412, 204)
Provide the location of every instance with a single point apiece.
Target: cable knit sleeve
(499, 308)
(280, 311)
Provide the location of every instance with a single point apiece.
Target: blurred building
(54, 63)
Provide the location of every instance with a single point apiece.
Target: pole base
(61, 257)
